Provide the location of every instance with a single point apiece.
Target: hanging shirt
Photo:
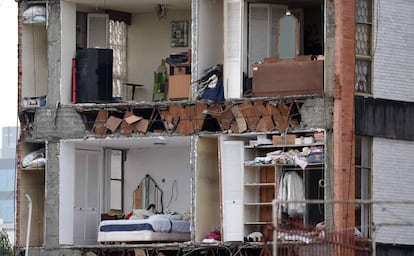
(291, 188)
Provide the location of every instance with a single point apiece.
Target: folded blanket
(160, 223)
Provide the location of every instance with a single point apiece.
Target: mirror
(148, 195)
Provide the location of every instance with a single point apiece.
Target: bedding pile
(34, 14)
(141, 219)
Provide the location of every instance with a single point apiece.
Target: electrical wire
(173, 188)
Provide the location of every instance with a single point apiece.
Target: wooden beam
(127, 128)
(250, 114)
(99, 127)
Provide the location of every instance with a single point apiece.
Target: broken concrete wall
(64, 123)
(313, 113)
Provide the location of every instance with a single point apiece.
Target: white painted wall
(394, 50)
(148, 43)
(68, 49)
(172, 163)
(210, 36)
(34, 60)
(393, 178)
(66, 192)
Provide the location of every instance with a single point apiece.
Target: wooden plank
(234, 127)
(283, 108)
(185, 127)
(99, 127)
(215, 111)
(265, 124)
(198, 116)
(132, 118)
(168, 120)
(251, 115)
(280, 114)
(261, 108)
(113, 123)
(142, 125)
(241, 122)
(283, 119)
(126, 128)
(226, 118)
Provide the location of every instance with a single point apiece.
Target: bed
(155, 228)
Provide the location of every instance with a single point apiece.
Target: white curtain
(118, 43)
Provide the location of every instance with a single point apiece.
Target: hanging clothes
(291, 188)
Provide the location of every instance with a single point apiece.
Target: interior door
(232, 190)
(87, 199)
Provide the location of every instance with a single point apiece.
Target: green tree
(5, 246)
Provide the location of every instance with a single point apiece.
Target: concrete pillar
(329, 83)
(54, 52)
(343, 132)
(52, 195)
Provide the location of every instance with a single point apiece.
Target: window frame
(364, 167)
(367, 58)
(108, 178)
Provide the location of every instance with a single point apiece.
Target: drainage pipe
(29, 222)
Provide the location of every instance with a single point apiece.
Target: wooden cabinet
(259, 192)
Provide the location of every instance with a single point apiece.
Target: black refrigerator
(94, 75)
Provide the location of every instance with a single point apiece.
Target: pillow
(173, 215)
(186, 215)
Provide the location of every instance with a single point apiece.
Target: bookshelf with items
(292, 162)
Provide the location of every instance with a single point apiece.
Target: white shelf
(285, 146)
(257, 223)
(259, 184)
(259, 165)
(259, 204)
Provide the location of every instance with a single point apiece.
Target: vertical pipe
(29, 223)
(275, 211)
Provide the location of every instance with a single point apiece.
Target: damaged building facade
(206, 113)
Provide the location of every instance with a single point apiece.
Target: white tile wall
(393, 179)
(394, 50)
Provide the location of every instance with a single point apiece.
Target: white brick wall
(393, 179)
(394, 50)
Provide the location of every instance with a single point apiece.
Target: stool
(133, 88)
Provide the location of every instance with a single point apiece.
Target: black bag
(210, 85)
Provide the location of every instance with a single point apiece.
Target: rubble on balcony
(192, 118)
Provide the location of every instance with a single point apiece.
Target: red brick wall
(344, 162)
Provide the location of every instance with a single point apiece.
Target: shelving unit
(249, 184)
(258, 192)
(259, 181)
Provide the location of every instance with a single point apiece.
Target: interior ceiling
(133, 6)
(137, 143)
(145, 6)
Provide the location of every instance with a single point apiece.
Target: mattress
(155, 228)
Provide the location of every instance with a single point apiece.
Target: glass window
(363, 183)
(363, 49)
(115, 164)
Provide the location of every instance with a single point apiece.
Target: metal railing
(297, 236)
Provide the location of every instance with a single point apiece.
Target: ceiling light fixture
(160, 11)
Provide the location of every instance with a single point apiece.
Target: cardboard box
(282, 140)
(179, 87)
(180, 69)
